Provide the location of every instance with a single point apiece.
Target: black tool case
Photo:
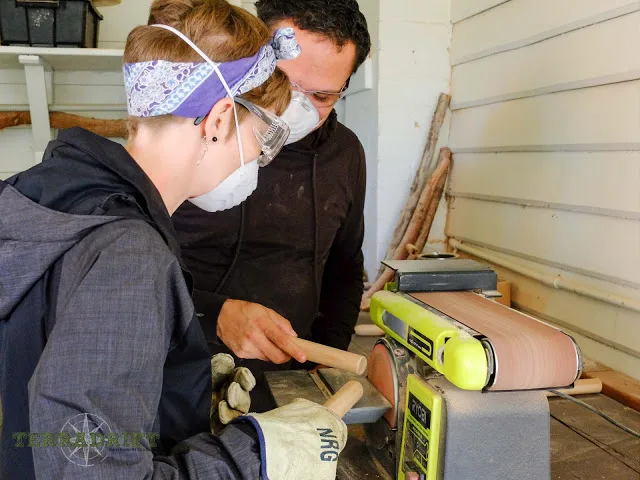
(49, 23)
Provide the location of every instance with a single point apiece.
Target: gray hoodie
(97, 329)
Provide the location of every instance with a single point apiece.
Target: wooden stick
(421, 174)
(345, 398)
(332, 357)
(14, 119)
(59, 120)
(369, 330)
(417, 221)
(581, 387)
(428, 223)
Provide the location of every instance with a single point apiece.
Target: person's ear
(220, 121)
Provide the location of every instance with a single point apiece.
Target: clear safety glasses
(320, 98)
(270, 131)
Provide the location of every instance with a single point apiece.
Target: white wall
(119, 20)
(413, 69)
(546, 140)
(360, 113)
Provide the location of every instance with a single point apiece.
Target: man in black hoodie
(293, 250)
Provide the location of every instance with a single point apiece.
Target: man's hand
(253, 331)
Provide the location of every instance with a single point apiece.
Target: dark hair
(339, 20)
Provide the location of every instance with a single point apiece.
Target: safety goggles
(321, 98)
(270, 131)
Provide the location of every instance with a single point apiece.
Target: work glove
(230, 387)
(299, 440)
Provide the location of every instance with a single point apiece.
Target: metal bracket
(38, 78)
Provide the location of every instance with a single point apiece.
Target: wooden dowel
(345, 398)
(369, 330)
(60, 120)
(332, 357)
(581, 387)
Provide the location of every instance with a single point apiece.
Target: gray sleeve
(102, 370)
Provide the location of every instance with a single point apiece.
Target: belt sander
(455, 389)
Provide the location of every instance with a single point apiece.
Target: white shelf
(90, 59)
(38, 63)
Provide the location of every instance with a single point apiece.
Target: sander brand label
(423, 344)
(419, 411)
(417, 435)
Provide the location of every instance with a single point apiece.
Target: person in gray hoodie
(104, 368)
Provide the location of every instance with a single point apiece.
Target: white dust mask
(301, 116)
(237, 187)
(233, 190)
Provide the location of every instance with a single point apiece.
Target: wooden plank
(621, 446)
(620, 387)
(554, 65)
(546, 235)
(606, 183)
(523, 22)
(504, 288)
(357, 461)
(462, 9)
(592, 366)
(592, 119)
(575, 456)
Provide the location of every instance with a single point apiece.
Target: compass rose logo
(85, 431)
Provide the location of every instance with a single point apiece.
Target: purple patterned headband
(191, 89)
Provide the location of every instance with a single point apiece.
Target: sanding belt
(529, 354)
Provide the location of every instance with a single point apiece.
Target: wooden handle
(581, 387)
(345, 398)
(332, 357)
(369, 330)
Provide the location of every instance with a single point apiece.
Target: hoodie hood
(84, 181)
(32, 239)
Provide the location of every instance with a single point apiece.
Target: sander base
(453, 434)
(318, 386)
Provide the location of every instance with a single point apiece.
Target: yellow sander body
(465, 376)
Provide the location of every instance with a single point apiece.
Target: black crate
(49, 23)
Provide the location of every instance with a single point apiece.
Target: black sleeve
(208, 306)
(342, 281)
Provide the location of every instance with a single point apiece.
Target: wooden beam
(60, 120)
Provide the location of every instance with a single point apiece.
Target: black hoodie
(294, 246)
(97, 327)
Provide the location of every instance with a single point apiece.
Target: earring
(206, 149)
(214, 139)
